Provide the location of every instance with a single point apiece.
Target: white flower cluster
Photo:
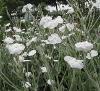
(86, 47)
(73, 62)
(54, 39)
(8, 40)
(28, 6)
(16, 30)
(96, 4)
(91, 54)
(69, 26)
(15, 48)
(59, 7)
(83, 46)
(50, 82)
(48, 22)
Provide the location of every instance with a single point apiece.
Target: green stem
(72, 82)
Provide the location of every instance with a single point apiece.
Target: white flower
(70, 10)
(51, 24)
(50, 8)
(93, 53)
(25, 54)
(8, 24)
(32, 52)
(88, 56)
(96, 4)
(17, 29)
(70, 26)
(28, 6)
(27, 74)
(27, 85)
(17, 38)
(60, 7)
(65, 7)
(48, 22)
(58, 20)
(54, 39)
(8, 40)
(15, 48)
(84, 46)
(62, 29)
(44, 69)
(45, 20)
(30, 41)
(73, 62)
(50, 82)
(21, 58)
